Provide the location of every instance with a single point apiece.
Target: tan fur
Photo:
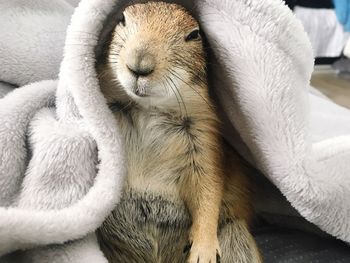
(174, 148)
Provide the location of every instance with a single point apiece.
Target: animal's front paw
(203, 252)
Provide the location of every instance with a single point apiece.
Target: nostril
(140, 71)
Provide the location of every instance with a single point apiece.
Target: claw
(218, 258)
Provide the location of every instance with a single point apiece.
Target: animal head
(156, 54)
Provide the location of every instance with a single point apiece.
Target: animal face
(157, 52)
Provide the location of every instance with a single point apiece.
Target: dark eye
(194, 35)
(122, 19)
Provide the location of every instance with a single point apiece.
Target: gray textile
(32, 39)
(5, 88)
(56, 188)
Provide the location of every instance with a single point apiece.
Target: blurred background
(327, 22)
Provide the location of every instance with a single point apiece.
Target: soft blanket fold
(61, 157)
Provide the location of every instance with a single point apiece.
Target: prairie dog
(184, 199)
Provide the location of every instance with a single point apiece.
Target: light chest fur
(163, 148)
(164, 151)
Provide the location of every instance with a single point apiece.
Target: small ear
(194, 35)
(121, 19)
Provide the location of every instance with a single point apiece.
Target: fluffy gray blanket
(56, 188)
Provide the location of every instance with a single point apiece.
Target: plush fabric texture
(61, 157)
(5, 88)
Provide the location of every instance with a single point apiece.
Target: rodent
(185, 198)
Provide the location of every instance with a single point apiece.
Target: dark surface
(281, 245)
(310, 3)
(326, 61)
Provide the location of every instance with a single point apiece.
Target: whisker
(126, 106)
(197, 92)
(182, 99)
(123, 38)
(177, 98)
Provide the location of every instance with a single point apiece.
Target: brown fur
(174, 148)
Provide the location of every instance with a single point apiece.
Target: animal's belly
(154, 172)
(147, 228)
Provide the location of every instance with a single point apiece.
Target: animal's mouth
(140, 87)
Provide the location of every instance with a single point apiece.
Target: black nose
(140, 71)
